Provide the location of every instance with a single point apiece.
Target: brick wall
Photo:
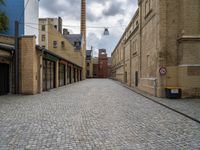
(168, 37)
(28, 66)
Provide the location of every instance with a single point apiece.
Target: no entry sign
(163, 71)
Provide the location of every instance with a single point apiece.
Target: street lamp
(106, 32)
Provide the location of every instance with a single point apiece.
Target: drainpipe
(41, 71)
(16, 57)
(155, 87)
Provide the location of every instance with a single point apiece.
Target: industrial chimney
(83, 19)
(83, 33)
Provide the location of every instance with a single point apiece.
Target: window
(134, 44)
(55, 27)
(148, 7)
(55, 44)
(137, 23)
(88, 64)
(63, 44)
(148, 61)
(43, 28)
(77, 44)
(43, 38)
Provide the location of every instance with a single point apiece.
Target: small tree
(1, 1)
(3, 20)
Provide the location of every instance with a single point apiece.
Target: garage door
(48, 74)
(4, 79)
(61, 74)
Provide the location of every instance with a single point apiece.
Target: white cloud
(96, 9)
(104, 13)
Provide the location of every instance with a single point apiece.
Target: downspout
(16, 57)
(140, 26)
(130, 62)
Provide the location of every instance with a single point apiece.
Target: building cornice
(189, 38)
(124, 34)
(43, 50)
(134, 31)
(7, 47)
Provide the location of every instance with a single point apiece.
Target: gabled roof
(73, 38)
(88, 52)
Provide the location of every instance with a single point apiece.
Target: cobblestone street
(93, 115)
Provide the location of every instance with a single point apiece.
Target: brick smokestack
(83, 19)
(83, 33)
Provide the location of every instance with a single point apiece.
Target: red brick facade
(103, 64)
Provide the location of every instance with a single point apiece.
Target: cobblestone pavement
(186, 106)
(93, 114)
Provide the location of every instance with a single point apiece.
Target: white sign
(174, 91)
(163, 71)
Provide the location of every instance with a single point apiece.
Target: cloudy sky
(114, 14)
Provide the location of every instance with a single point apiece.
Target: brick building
(39, 69)
(89, 64)
(101, 65)
(160, 48)
(109, 67)
(63, 45)
(95, 67)
(32, 68)
(46, 24)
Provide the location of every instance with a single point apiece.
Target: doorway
(48, 75)
(136, 78)
(4, 79)
(69, 75)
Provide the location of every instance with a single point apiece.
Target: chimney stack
(65, 32)
(60, 24)
(83, 19)
(83, 33)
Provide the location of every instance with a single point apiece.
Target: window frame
(63, 44)
(55, 44)
(43, 38)
(43, 28)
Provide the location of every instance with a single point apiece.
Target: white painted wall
(31, 17)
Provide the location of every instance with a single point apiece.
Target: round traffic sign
(163, 71)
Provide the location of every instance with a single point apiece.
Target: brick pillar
(28, 65)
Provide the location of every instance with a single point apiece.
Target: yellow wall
(167, 36)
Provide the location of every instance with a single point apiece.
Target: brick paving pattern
(189, 106)
(92, 115)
